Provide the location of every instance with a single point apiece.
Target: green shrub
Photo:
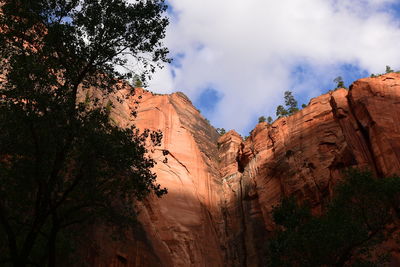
(261, 119)
(345, 234)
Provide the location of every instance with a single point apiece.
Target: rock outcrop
(222, 189)
(184, 227)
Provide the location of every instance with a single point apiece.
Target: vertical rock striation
(187, 221)
(222, 189)
(183, 228)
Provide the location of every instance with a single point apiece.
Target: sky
(234, 59)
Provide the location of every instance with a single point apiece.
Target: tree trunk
(53, 241)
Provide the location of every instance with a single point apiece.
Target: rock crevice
(223, 189)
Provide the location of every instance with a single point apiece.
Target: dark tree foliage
(290, 103)
(262, 119)
(346, 234)
(339, 82)
(221, 131)
(269, 119)
(291, 106)
(63, 163)
(281, 112)
(388, 69)
(137, 81)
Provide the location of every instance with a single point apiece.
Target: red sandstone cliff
(221, 191)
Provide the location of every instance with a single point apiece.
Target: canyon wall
(222, 189)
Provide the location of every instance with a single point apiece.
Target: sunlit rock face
(186, 226)
(376, 105)
(188, 220)
(222, 189)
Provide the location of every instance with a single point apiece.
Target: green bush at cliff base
(346, 234)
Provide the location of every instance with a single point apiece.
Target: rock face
(187, 220)
(184, 228)
(222, 189)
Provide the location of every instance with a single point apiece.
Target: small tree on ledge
(281, 111)
(339, 82)
(221, 131)
(291, 103)
(261, 119)
(388, 69)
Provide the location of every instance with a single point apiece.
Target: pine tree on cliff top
(63, 164)
(339, 82)
(290, 103)
(262, 119)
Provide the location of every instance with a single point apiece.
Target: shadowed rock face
(222, 189)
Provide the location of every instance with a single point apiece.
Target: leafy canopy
(339, 82)
(346, 234)
(291, 106)
(262, 119)
(388, 69)
(64, 164)
(291, 103)
(221, 131)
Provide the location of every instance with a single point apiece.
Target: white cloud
(248, 49)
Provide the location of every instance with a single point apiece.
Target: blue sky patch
(177, 60)
(199, 46)
(173, 73)
(351, 73)
(393, 8)
(172, 13)
(208, 100)
(300, 71)
(306, 78)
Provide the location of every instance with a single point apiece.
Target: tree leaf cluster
(388, 69)
(262, 119)
(291, 106)
(221, 131)
(339, 82)
(353, 224)
(64, 165)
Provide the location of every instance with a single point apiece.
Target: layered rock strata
(222, 189)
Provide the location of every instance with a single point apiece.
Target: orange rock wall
(222, 189)
(304, 155)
